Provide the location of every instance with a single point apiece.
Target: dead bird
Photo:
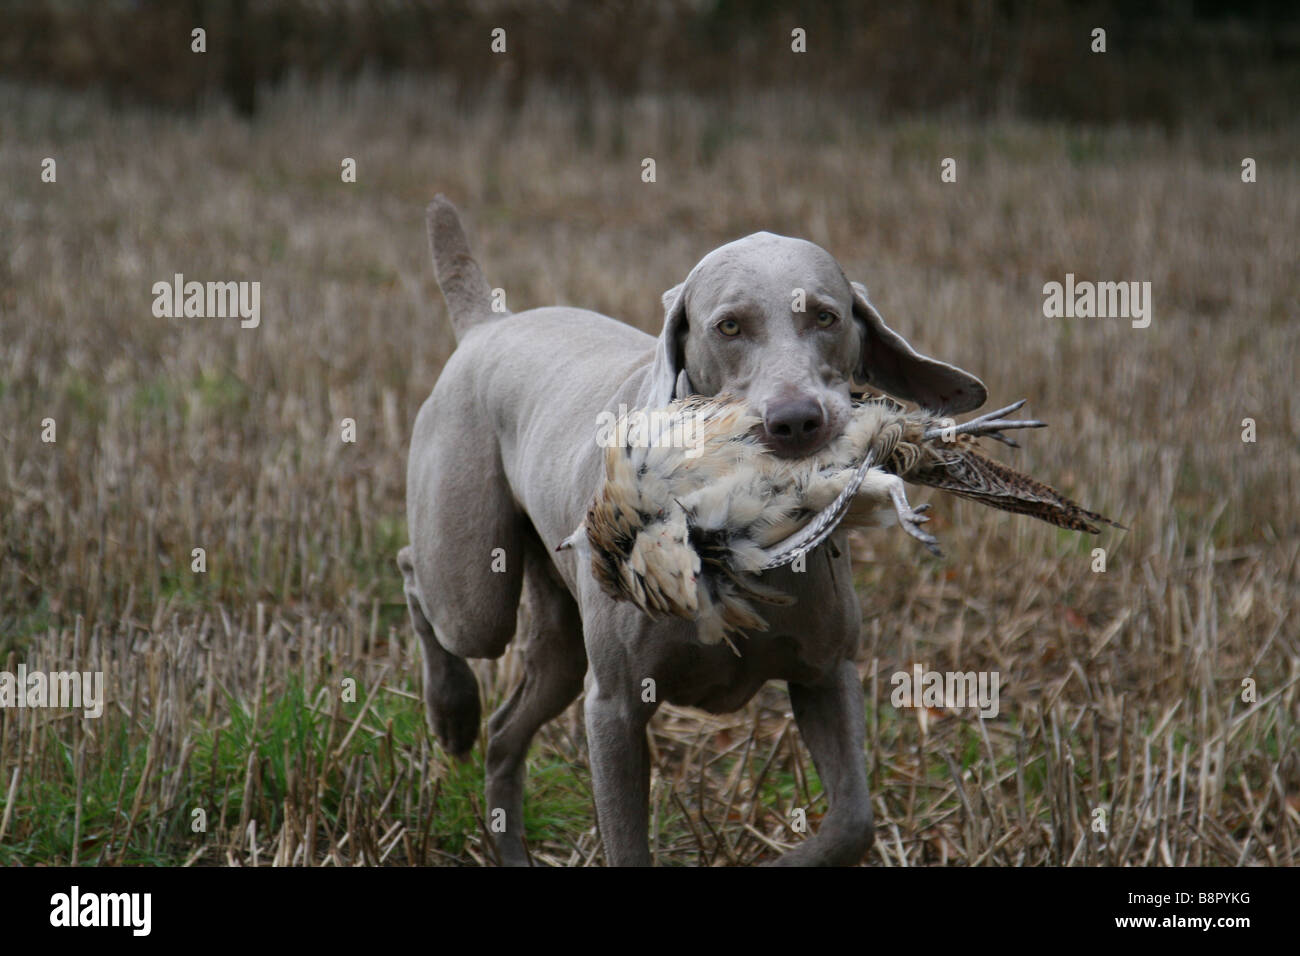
(694, 506)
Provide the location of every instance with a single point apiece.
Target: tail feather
(968, 474)
(466, 289)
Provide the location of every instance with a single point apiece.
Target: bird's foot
(988, 425)
(912, 518)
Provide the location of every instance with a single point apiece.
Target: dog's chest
(716, 679)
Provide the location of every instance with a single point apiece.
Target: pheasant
(694, 507)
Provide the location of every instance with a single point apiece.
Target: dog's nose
(794, 427)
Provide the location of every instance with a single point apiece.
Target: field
(1122, 690)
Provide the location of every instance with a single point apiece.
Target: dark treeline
(1167, 62)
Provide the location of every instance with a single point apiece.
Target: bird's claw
(911, 518)
(988, 425)
(912, 525)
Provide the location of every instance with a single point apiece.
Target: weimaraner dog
(504, 463)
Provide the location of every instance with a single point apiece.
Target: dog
(504, 463)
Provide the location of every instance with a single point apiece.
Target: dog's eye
(826, 318)
(729, 327)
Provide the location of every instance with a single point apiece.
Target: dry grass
(1120, 689)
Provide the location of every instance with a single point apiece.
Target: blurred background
(1167, 62)
(1121, 689)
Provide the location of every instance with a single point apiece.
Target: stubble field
(1121, 690)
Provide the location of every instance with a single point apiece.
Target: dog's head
(774, 320)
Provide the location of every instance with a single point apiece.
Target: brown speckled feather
(968, 474)
(958, 468)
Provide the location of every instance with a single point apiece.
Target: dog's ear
(668, 373)
(888, 363)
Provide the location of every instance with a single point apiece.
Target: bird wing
(821, 526)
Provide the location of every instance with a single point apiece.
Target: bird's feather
(694, 507)
(969, 474)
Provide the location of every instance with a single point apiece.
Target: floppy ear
(668, 373)
(888, 363)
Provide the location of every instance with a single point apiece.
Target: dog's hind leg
(554, 664)
(451, 701)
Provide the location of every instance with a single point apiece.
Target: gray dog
(504, 464)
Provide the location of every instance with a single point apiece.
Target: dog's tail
(469, 298)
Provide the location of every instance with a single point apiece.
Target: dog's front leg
(620, 771)
(830, 719)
